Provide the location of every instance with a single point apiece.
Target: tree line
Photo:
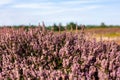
(60, 27)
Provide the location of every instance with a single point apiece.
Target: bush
(38, 55)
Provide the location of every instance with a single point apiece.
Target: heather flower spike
(39, 55)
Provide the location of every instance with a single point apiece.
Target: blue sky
(17, 12)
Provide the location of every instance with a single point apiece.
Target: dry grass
(107, 34)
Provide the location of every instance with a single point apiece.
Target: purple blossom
(36, 54)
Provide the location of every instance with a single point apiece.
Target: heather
(35, 54)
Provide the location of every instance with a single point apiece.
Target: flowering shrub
(43, 55)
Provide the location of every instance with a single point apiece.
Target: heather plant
(36, 54)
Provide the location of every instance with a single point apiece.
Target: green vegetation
(68, 26)
(112, 34)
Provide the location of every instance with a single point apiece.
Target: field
(107, 34)
(35, 54)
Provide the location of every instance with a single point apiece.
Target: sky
(88, 12)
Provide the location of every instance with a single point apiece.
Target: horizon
(95, 25)
(88, 12)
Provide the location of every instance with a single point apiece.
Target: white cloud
(49, 5)
(80, 2)
(51, 8)
(83, 11)
(65, 11)
(2, 2)
(25, 13)
(33, 5)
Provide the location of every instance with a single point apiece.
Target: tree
(71, 25)
(103, 24)
(55, 27)
(61, 27)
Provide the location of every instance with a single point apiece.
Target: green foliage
(103, 24)
(49, 27)
(71, 24)
(9, 78)
(68, 26)
(112, 34)
(55, 27)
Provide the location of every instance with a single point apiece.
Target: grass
(112, 35)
